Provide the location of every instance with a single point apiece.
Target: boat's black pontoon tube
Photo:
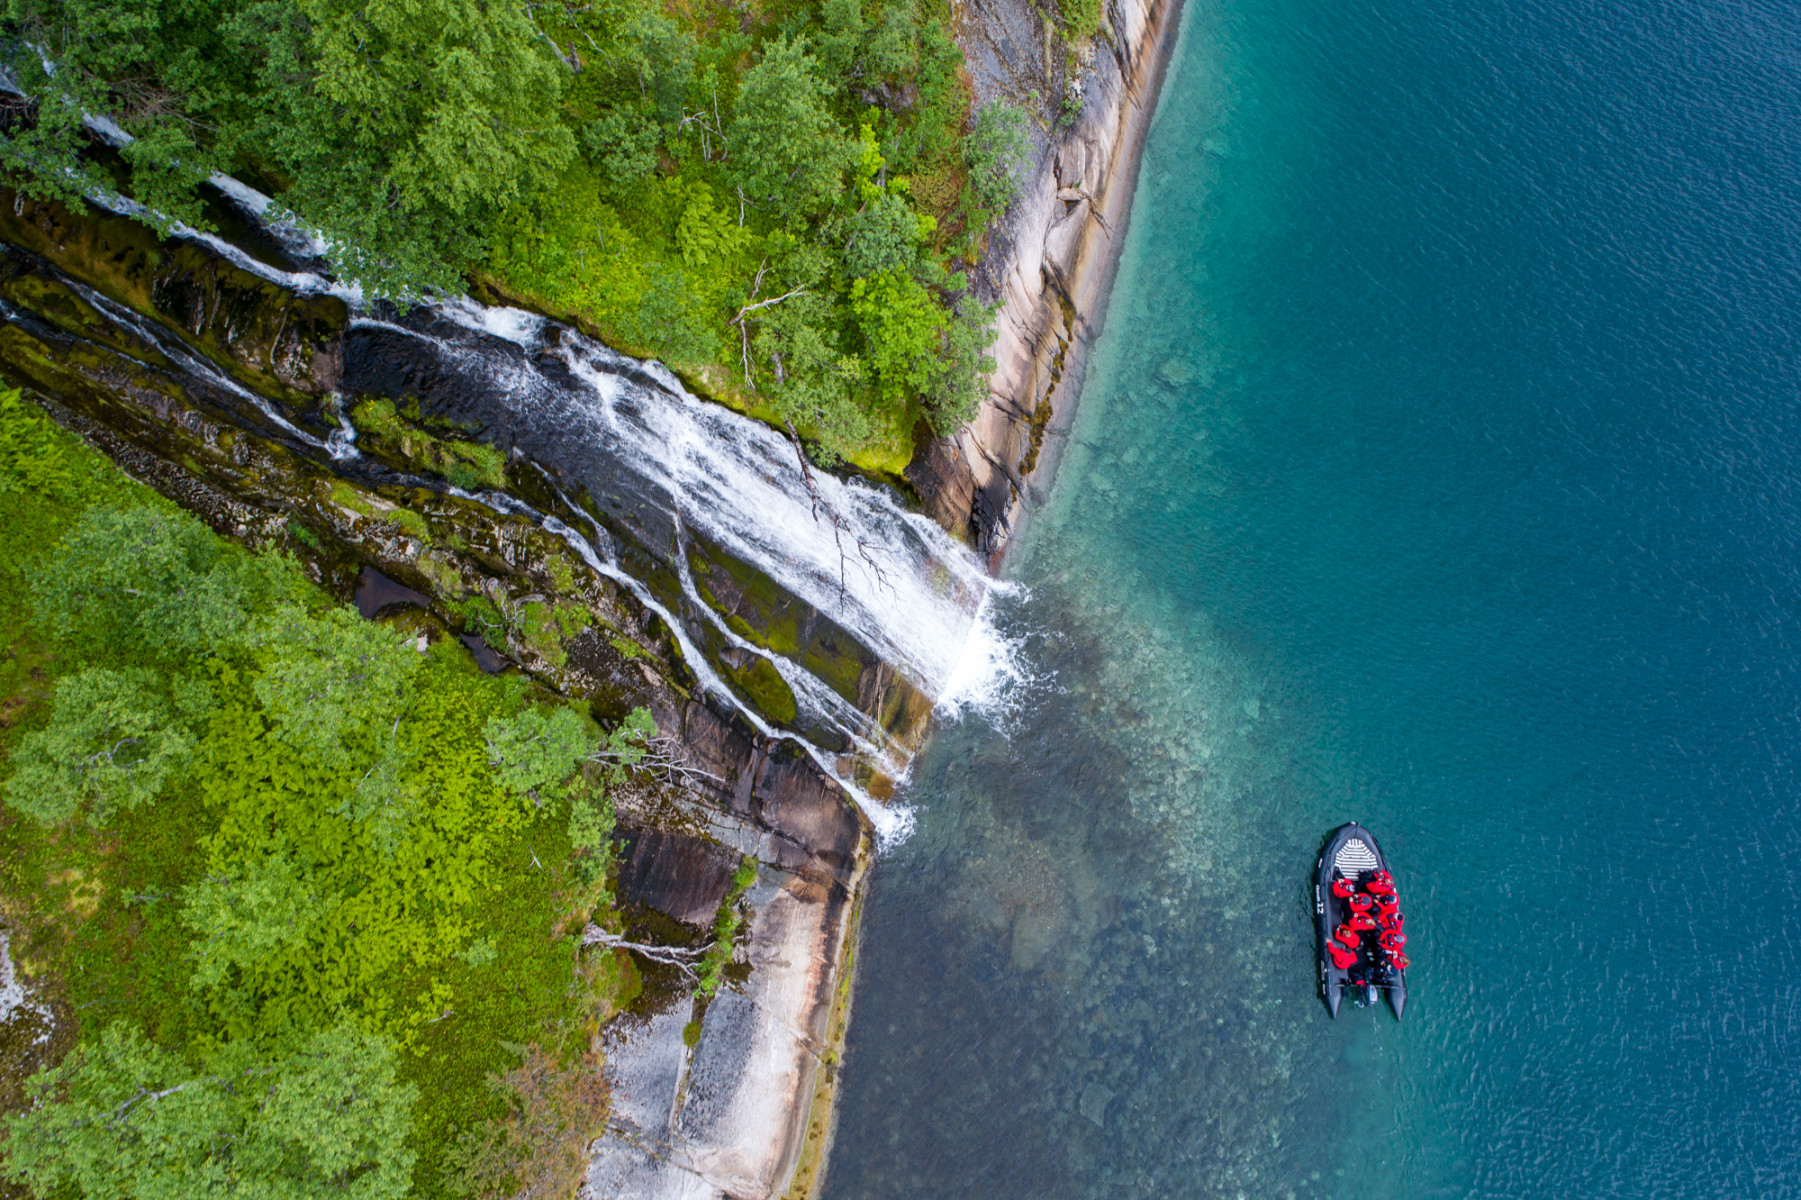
(1351, 852)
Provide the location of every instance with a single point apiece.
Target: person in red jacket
(1347, 935)
(1343, 959)
(1343, 888)
(1361, 920)
(1363, 903)
(1391, 919)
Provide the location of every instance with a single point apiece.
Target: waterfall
(666, 466)
(630, 454)
(666, 461)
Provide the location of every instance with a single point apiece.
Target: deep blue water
(1440, 467)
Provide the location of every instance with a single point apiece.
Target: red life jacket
(1343, 888)
(1393, 940)
(1400, 961)
(1387, 903)
(1347, 935)
(1363, 903)
(1343, 959)
(1390, 919)
(1361, 921)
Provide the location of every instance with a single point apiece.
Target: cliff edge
(1050, 266)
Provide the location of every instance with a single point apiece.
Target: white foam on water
(892, 578)
(990, 677)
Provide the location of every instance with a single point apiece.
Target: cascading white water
(892, 578)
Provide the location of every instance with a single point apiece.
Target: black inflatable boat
(1362, 931)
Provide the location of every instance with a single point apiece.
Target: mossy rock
(282, 344)
(755, 678)
(762, 612)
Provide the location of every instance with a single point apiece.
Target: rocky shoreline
(1051, 265)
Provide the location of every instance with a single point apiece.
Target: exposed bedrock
(1051, 264)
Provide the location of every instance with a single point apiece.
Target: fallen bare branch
(679, 957)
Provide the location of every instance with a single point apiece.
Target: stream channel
(1437, 469)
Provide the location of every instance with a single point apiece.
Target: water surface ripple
(1440, 468)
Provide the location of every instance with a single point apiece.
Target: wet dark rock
(283, 344)
(376, 592)
(680, 876)
(490, 662)
(798, 803)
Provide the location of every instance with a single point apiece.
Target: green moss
(345, 496)
(547, 628)
(762, 685)
(412, 522)
(562, 575)
(628, 647)
(725, 930)
(760, 611)
(465, 464)
(446, 580)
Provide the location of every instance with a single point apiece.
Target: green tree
(885, 236)
(813, 382)
(397, 129)
(333, 682)
(591, 816)
(963, 368)
(901, 325)
(706, 233)
(622, 145)
(125, 1119)
(532, 750)
(995, 153)
(267, 908)
(661, 56)
(156, 582)
(785, 144)
(113, 743)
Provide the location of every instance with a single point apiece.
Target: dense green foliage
(122, 1117)
(777, 200)
(303, 882)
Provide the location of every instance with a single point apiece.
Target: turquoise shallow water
(1438, 468)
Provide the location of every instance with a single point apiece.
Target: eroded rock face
(758, 796)
(717, 1119)
(285, 345)
(678, 875)
(1052, 263)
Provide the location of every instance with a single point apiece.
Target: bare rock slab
(726, 1117)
